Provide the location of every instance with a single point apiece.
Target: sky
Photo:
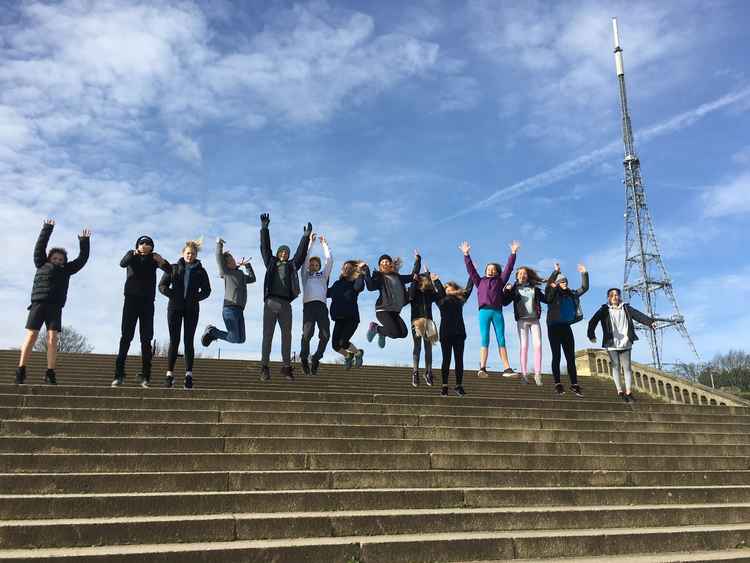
(390, 128)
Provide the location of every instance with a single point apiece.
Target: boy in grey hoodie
(235, 297)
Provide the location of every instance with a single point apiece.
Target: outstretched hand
(265, 219)
(434, 277)
(508, 287)
(465, 247)
(557, 267)
(581, 269)
(221, 241)
(49, 222)
(514, 246)
(307, 229)
(243, 262)
(85, 233)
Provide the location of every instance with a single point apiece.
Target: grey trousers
(277, 310)
(315, 313)
(621, 358)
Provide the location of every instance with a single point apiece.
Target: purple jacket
(490, 290)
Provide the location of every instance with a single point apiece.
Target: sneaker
(621, 395)
(444, 391)
(207, 337)
(538, 379)
(482, 373)
(428, 378)
(20, 375)
(630, 397)
(265, 373)
(559, 389)
(525, 379)
(118, 380)
(50, 377)
(508, 372)
(305, 366)
(459, 390)
(348, 360)
(314, 365)
(144, 379)
(372, 330)
(287, 372)
(381, 340)
(359, 358)
(188, 382)
(169, 381)
(415, 378)
(577, 390)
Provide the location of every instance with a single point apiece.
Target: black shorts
(44, 314)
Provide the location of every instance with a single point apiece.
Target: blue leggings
(492, 317)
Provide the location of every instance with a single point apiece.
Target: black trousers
(175, 320)
(138, 310)
(315, 313)
(561, 337)
(343, 330)
(392, 325)
(453, 345)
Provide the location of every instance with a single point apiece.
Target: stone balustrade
(657, 383)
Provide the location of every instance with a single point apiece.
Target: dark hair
(611, 289)
(533, 277)
(57, 250)
(455, 285)
(354, 264)
(226, 255)
(316, 258)
(425, 283)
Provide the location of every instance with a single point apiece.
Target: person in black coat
(48, 296)
(140, 292)
(451, 301)
(280, 288)
(186, 285)
(344, 294)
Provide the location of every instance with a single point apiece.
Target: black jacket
(555, 296)
(344, 294)
(421, 302)
(452, 310)
(140, 279)
(271, 262)
(602, 316)
(50, 281)
(172, 285)
(374, 281)
(514, 296)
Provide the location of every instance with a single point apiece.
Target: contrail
(581, 163)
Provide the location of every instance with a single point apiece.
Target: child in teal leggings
(490, 298)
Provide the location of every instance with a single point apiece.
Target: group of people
(186, 283)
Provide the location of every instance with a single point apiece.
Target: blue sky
(390, 128)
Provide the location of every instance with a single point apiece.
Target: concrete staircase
(358, 466)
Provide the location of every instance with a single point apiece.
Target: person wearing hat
(393, 297)
(564, 310)
(280, 287)
(140, 292)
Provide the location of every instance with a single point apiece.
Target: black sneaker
(482, 373)
(372, 330)
(444, 391)
(118, 380)
(559, 389)
(20, 375)
(577, 390)
(288, 373)
(305, 366)
(208, 337)
(460, 391)
(265, 373)
(349, 360)
(50, 377)
(188, 382)
(359, 358)
(630, 397)
(314, 365)
(169, 381)
(428, 378)
(415, 378)
(621, 395)
(508, 372)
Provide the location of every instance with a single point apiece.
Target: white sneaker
(538, 379)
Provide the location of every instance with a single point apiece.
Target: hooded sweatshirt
(235, 281)
(315, 284)
(490, 290)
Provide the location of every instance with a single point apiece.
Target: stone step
(41, 506)
(166, 481)
(226, 429)
(129, 462)
(414, 548)
(349, 445)
(738, 555)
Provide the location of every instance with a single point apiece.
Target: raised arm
(439, 290)
(304, 243)
(584, 280)
(250, 273)
(328, 267)
(265, 239)
(40, 248)
(220, 262)
(84, 244)
(510, 263)
(468, 288)
(373, 282)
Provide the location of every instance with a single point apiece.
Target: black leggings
(454, 344)
(561, 336)
(343, 330)
(417, 351)
(175, 320)
(141, 311)
(392, 325)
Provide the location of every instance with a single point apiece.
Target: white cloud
(729, 198)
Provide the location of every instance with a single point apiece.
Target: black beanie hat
(385, 257)
(144, 239)
(283, 247)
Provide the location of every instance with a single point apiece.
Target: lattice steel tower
(645, 273)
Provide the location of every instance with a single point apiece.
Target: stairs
(357, 466)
